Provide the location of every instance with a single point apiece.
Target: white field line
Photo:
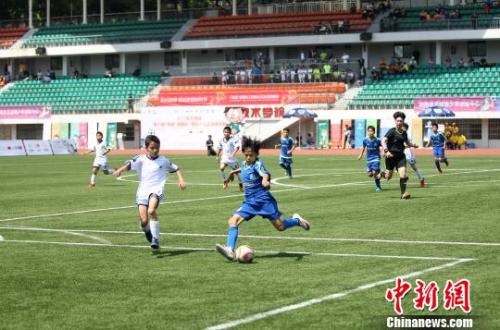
(1, 238)
(315, 301)
(303, 253)
(284, 238)
(207, 198)
(64, 231)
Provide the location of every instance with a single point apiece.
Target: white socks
(92, 179)
(155, 228)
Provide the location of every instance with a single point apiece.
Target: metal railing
(444, 24)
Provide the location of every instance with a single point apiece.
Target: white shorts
(100, 164)
(142, 197)
(232, 164)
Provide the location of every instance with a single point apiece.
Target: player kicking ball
(394, 143)
(101, 159)
(287, 146)
(258, 200)
(372, 146)
(228, 147)
(437, 140)
(151, 170)
(412, 160)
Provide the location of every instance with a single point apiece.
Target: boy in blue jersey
(372, 146)
(258, 200)
(287, 146)
(438, 140)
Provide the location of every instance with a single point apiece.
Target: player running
(372, 146)
(151, 170)
(412, 160)
(101, 159)
(228, 147)
(258, 199)
(438, 140)
(287, 146)
(394, 143)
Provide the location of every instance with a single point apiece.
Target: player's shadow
(298, 256)
(172, 253)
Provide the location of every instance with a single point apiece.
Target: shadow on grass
(298, 256)
(173, 253)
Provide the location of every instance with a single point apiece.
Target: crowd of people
(395, 66)
(454, 138)
(312, 66)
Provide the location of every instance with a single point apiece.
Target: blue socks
(232, 236)
(290, 222)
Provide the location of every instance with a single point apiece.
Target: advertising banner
(83, 137)
(323, 134)
(243, 97)
(455, 104)
(184, 128)
(111, 135)
(359, 132)
(24, 112)
(64, 131)
(37, 147)
(62, 147)
(12, 148)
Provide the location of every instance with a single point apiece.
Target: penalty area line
(334, 296)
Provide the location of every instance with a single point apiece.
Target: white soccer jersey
(100, 150)
(228, 148)
(152, 174)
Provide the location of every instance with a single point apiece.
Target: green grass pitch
(74, 258)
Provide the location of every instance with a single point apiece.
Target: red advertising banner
(268, 97)
(457, 104)
(24, 112)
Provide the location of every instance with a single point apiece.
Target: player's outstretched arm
(362, 153)
(120, 170)
(107, 151)
(180, 180)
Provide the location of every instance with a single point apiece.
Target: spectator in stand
(323, 56)
(39, 75)
(302, 74)
(316, 74)
(336, 75)
(483, 63)
(362, 75)
(108, 73)
(461, 63)
(137, 71)
(224, 76)
(283, 74)
(345, 58)
(250, 76)
(413, 63)
(405, 68)
(309, 74)
(327, 71)
(447, 62)
(215, 79)
(376, 75)
(350, 77)
(474, 19)
(486, 8)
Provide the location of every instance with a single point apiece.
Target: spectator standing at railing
(309, 74)
(316, 74)
(474, 18)
(345, 57)
(249, 75)
(302, 74)
(283, 74)
(224, 76)
(327, 69)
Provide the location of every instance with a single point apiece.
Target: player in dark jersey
(394, 143)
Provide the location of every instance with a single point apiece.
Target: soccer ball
(244, 254)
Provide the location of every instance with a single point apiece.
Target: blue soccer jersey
(372, 149)
(438, 140)
(286, 146)
(251, 175)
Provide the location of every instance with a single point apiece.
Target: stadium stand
(470, 16)
(69, 35)
(86, 95)
(8, 36)
(276, 24)
(398, 91)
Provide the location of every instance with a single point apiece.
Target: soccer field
(74, 258)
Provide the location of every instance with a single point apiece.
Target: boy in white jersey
(228, 147)
(410, 159)
(151, 170)
(101, 160)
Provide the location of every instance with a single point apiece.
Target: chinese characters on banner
(455, 295)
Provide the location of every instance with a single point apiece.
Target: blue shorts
(438, 152)
(373, 166)
(286, 161)
(266, 206)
